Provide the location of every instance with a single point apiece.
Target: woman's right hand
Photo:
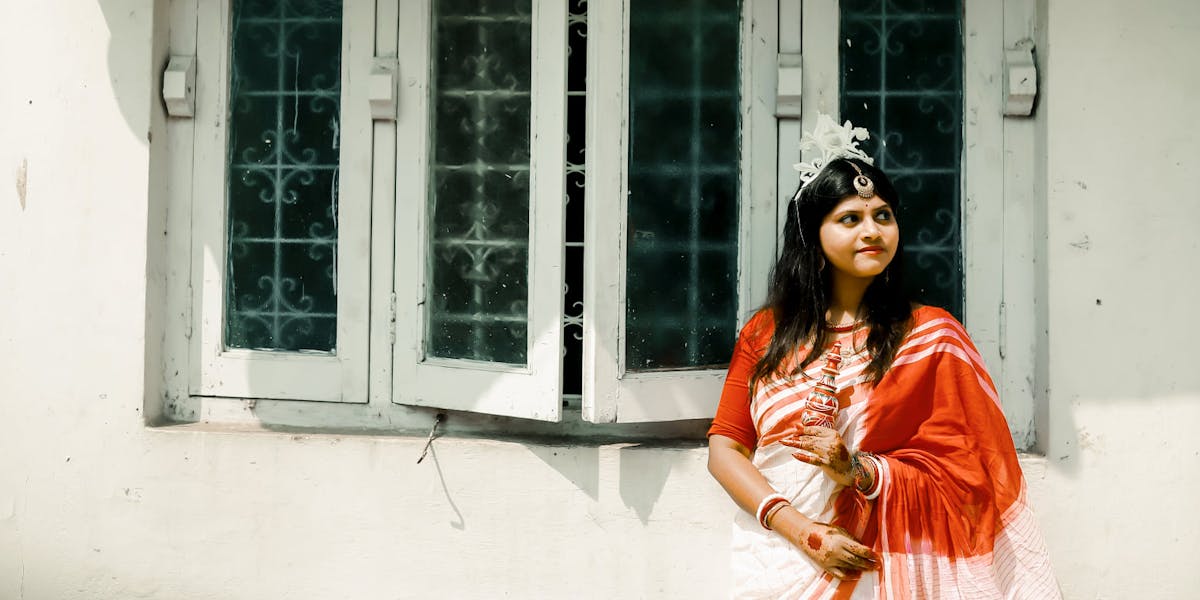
(835, 550)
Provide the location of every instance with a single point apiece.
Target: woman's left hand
(822, 447)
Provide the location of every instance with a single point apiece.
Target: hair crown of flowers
(833, 141)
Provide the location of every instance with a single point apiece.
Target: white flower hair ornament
(833, 142)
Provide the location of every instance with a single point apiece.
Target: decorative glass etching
(572, 378)
(684, 154)
(478, 270)
(285, 107)
(902, 80)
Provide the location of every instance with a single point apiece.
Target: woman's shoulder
(925, 317)
(761, 325)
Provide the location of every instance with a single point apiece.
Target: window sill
(393, 421)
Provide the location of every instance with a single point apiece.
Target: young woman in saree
(915, 490)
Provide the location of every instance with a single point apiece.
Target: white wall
(1123, 458)
(95, 505)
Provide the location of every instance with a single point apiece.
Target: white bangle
(766, 505)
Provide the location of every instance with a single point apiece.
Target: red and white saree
(950, 521)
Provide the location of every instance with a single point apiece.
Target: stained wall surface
(94, 504)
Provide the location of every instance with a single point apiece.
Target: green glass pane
(478, 269)
(684, 180)
(282, 184)
(902, 80)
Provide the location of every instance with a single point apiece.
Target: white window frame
(531, 391)
(214, 371)
(998, 194)
(611, 393)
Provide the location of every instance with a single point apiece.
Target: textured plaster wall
(95, 505)
(1123, 459)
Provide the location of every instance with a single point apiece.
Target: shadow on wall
(641, 472)
(128, 63)
(578, 464)
(643, 476)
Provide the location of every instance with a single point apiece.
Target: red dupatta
(951, 516)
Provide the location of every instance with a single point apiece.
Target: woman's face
(859, 237)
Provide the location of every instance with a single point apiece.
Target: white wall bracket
(788, 86)
(1020, 79)
(179, 86)
(382, 88)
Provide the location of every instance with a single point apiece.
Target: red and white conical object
(821, 408)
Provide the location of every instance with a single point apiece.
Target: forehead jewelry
(862, 184)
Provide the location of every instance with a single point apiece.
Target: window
(281, 202)
(479, 207)
(679, 260)
(572, 204)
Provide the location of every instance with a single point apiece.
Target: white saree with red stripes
(951, 518)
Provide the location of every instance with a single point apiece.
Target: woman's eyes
(852, 218)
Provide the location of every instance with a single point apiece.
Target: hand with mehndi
(835, 550)
(822, 447)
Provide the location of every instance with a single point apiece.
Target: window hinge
(187, 313)
(392, 319)
(1003, 326)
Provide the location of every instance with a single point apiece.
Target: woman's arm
(830, 547)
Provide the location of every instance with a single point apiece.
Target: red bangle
(765, 507)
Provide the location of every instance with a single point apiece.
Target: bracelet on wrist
(865, 470)
(768, 507)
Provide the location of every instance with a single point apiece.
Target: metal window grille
(684, 179)
(282, 185)
(479, 205)
(902, 79)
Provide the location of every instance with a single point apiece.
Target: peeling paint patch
(1088, 441)
(22, 181)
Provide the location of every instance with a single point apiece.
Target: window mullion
(383, 214)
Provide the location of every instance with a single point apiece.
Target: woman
(916, 491)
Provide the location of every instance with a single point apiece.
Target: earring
(821, 268)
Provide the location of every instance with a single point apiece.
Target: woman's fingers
(859, 563)
(863, 552)
(808, 452)
(816, 431)
(805, 442)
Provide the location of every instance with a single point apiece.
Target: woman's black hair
(800, 287)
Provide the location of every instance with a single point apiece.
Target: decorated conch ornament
(821, 406)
